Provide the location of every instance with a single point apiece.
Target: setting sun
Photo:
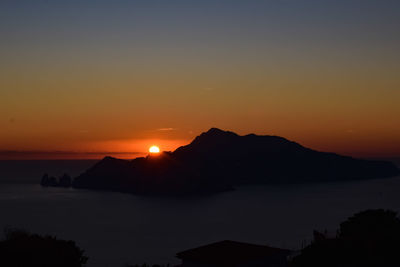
(154, 149)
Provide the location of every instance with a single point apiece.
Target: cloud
(166, 129)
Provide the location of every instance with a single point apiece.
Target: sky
(94, 77)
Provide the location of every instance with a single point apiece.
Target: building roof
(229, 252)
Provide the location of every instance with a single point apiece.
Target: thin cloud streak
(166, 129)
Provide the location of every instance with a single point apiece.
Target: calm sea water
(116, 229)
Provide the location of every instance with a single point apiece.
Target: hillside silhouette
(21, 248)
(368, 238)
(219, 160)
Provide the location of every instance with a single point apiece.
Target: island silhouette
(217, 161)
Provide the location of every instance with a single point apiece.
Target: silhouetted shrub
(20, 248)
(376, 225)
(369, 238)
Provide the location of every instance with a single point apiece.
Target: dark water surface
(115, 228)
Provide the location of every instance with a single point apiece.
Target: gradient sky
(102, 76)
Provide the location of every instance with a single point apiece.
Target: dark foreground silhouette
(369, 238)
(219, 160)
(22, 249)
(231, 253)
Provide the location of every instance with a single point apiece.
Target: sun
(154, 149)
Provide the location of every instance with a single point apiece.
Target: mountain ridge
(218, 160)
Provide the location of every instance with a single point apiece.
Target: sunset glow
(154, 149)
(125, 126)
(147, 79)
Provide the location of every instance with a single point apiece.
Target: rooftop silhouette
(231, 253)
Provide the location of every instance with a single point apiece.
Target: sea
(117, 229)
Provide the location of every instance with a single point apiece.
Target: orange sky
(324, 76)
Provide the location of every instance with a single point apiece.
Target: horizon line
(68, 152)
(65, 155)
(94, 155)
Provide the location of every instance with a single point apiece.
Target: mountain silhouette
(219, 160)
